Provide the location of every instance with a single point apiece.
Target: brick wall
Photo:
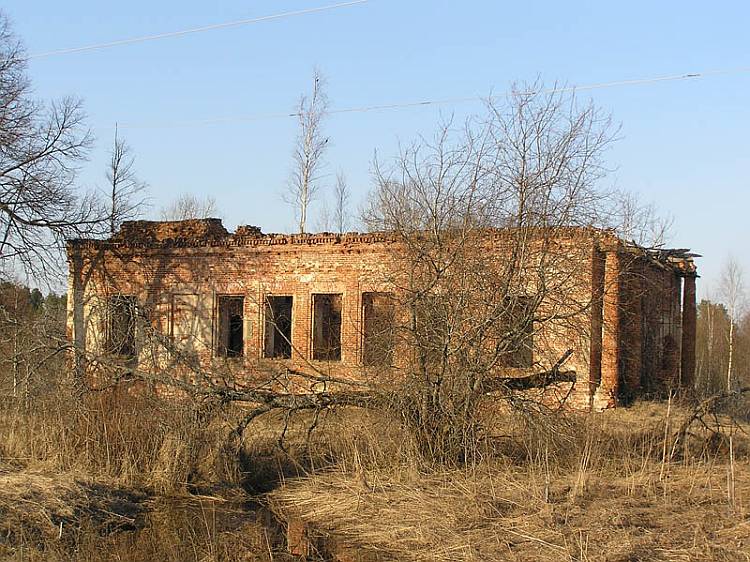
(626, 308)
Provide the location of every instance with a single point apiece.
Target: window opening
(378, 323)
(327, 327)
(278, 336)
(231, 326)
(520, 323)
(121, 326)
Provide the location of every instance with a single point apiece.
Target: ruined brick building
(252, 301)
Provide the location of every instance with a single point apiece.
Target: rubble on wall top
(247, 230)
(154, 232)
(211, 232)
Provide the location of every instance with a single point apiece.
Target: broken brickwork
(254, 302)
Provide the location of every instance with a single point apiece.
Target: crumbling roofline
(680, 260)
(211, 233)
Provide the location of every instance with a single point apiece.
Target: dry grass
(127, 477)
(610, 486)
(134, 441)
(500, 514)
(597, 488)
(59, 517)
(115, 478)
(37, 508)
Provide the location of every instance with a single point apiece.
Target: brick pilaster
(687, 370)
(612, 319)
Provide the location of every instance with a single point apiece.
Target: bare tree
(478, 211)
(732, 289)
(31, 327)
(126, 190)
(341, 199)
(188, 206)
(337, 219)
(733, 293)
(640, 222)
(712, 331)
(309, 150)
(324, 221)
(40, 149)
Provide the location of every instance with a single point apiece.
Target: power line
(170, 34)
(429, 102)
(667, 78)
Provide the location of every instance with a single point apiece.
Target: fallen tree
(278, 391)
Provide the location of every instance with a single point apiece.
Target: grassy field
(119, 478)
(604, 491)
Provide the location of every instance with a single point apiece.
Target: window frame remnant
(122, 311)
(278, 322)
(183, 320)
(230, 326)
(326, 326)
(378, 324)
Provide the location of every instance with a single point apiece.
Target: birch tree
(309, 151)
(733, 293)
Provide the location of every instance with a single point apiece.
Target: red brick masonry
(640, 325)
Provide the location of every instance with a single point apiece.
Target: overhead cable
(430, 102)
(235, 23)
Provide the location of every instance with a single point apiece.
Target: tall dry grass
(609, 486)
(595, 487)
(125, 477)
(133, 440)
(115, 477)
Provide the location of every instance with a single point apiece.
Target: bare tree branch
(126, 190)
(40, 150)
(188, 206)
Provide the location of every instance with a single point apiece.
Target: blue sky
(684, 144)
